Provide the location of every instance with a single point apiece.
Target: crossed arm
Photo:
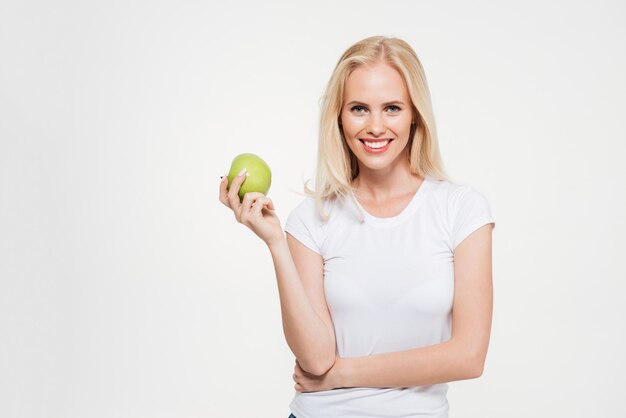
(461, 357)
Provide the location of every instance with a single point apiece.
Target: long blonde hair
(337, 166)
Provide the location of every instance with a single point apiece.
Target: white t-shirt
(389, 285)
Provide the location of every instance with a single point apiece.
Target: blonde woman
(384, 273)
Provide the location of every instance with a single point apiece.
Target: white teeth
(376, 144)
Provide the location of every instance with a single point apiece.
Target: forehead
(379, 81)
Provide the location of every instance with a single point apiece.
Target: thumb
(267, 203)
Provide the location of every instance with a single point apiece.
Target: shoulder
(304, 210)
(312, 206)
(306, 224)
(466, 209)
(452, 193)
(309, 211)
(305, 205)
(449, 187)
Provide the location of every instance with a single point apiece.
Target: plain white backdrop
(129, 290)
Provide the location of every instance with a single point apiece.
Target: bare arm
(306, 321)
(299, 273)
(461, 357)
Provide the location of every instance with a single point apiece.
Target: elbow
(319, 370)
(475, 367)
(319, 367)
(471, 359)
(476, 371)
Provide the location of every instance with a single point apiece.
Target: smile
(376, 147)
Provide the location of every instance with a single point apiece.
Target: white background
(129, 290)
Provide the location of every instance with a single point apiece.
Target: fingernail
(242, 172)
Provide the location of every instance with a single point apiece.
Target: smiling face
(376, 116)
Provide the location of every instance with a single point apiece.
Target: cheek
(352, 126)
(403, 126)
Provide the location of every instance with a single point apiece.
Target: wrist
(277, 243)
(342, 368)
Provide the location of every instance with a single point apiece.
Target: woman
(384, 274)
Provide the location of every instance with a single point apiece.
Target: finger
(233, 190)
(267, 203)
(249, 202)
(270, 205)
(250, 198)
(298, 371)
(259, 204)
(224, 191)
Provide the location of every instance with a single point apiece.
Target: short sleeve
(303, 225)
(470, 211)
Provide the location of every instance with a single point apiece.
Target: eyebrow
(384, 104)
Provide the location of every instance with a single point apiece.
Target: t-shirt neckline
(406, 212)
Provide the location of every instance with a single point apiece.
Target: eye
(397, 109)
(357, 108)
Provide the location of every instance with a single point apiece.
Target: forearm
(424, 366)
(305, 332)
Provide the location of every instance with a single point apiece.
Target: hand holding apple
(258, 177)
(249, 204)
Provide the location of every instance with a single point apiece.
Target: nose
(376, 125)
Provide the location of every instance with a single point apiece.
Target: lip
(375, 150)
(375, 139)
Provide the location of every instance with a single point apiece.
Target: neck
(387, 183)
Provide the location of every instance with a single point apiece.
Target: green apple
(258, 178)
